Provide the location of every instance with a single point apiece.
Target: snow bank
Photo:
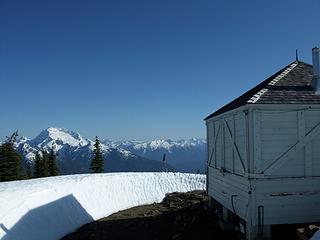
(49, 208)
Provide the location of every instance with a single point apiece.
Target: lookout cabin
(263, 161)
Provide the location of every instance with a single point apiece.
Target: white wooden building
(264, 151)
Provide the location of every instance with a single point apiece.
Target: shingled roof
(291, 85)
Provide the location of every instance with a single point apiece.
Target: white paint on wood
(230, 190)
(288, 140)
(241, 142)
(218, 146)
(235, 139)
(234, 145)
(257, 142)
(289, 200)
(223, 147)
(210, 142)
(228, 148)
(292, 151)
(307, 148)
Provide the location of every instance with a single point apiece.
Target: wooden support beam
(234, 145)
(210, 158)
(234, 137)
(307, 148)
(215, 144)
(283, 158)
(257, 142)
(223, 147)
(214, 147)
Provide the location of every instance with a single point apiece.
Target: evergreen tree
(164, 169)
(96, 165)
(10, 160)
(52, 164)
(28, 171)
(38, 166)
(45, 164)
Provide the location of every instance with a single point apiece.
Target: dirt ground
(179, 216)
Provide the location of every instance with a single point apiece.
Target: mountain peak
(74, 152)
(56, 129)
(59, 136)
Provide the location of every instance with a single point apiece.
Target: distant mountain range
(75, 153)
(185, 155)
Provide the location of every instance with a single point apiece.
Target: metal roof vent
(316, 70)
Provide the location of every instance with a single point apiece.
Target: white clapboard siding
(315, 157)
(294, 167)
(289, 200)
(312, 118)
(284, 174)
(278, 134)
(226, 188)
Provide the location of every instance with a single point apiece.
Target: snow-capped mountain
(185, 155)
(75, 153)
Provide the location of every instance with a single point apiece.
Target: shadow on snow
(49, 221)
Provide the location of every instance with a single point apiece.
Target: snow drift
(49, 208)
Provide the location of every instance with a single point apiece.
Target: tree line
(45, 163)
(11, 167)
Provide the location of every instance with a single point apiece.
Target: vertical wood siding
(227, 143)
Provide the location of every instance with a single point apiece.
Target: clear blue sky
(140, 69)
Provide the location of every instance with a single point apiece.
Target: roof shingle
(290, 85)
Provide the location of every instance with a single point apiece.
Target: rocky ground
(178, 216)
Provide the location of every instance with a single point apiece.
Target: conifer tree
(38, 166)
(97, 162)
(52, 164)
(45, 164)
(28, 171)
(10, 160)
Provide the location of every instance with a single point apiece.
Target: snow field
(49, 208)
